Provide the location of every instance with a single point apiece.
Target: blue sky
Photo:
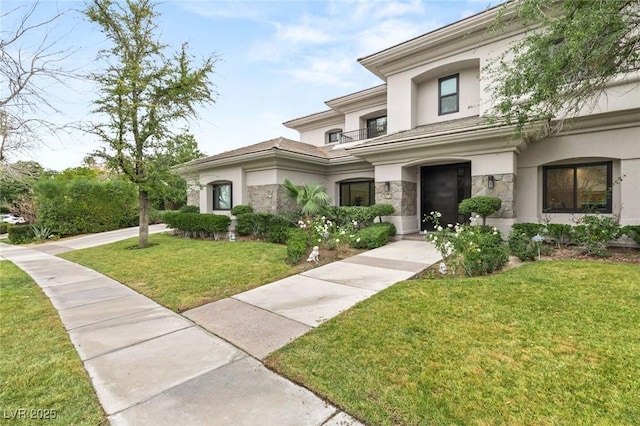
(278, 60)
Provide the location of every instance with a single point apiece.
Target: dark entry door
(443, 188)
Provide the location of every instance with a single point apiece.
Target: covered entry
(443, 187)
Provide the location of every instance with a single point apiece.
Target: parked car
(9, 218)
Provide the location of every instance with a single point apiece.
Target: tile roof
(451, 126)
(273, 145)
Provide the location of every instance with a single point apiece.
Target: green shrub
(244, 224)
(189, 209)
(297, 245)
(21, 234)
(196, 225)
(482, 250)
(241, 209)
(83, 205)
(595, 233)
(560, 233)
(529, 229)
(154, 216)
(380, 210)
(278, 228)
(521, 246)
(391, 228)
(632, 231)
(371, 237)
(360, 215)
(481, 205)
(3, 227)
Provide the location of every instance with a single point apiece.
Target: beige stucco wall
(620, 146)
(208, 177)
(469, 96)
(317, 136)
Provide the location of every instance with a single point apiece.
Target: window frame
(373, 128)
(456, 94)
(333, 132)
(215, 198)
(608, 208)
(372, 191)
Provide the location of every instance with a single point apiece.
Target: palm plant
(311, 198)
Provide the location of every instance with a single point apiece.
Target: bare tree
(30, 60)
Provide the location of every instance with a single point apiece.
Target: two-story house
(422, 141)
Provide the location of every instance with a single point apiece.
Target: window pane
(592, 187)
(449, 86)
(559, 189)
(449, 104)
(356, 193)
(222, 197)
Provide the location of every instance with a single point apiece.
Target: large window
(222, 196)
(448, 88)
(376, 126)
(360, 193)
(576, 188)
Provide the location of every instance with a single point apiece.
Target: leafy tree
(573, 51)
(172, 193)
(311, 198)
(16, 188)
(143, 94)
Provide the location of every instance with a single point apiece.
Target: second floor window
(333, 137)
(448, 88)
(376, 126)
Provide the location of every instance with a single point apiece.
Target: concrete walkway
(150, 365)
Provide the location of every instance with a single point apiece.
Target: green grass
(546, 343)
(183, 273)
(39, 367)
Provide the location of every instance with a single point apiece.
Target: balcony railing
(362, 134)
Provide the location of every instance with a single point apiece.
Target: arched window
(222, 199)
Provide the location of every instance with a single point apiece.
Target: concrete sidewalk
(150, 365)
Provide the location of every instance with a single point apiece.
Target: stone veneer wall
(263, 198)
(193, 198)
(504, 188)
(269, 198)
(402, 195)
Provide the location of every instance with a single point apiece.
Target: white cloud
(331, 69)
(389, 33)
(301, 33)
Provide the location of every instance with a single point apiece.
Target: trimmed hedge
(371, 237)
(196, 225)
(265, 226)
(4, 227)
(529, 229)
(241, 209)
(380, 210)
(21, 234)
(189, 209)
(391, 228)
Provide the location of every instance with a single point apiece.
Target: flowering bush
(475, 249)
(327, 234)
(594, 233)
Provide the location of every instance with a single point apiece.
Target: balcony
(362, 134)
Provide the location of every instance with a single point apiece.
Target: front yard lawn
(554, 342)
(182, 273)
(43, 380)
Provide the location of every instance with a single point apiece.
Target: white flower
(358, 240)
(435, 238)
(319, 240)
(337, 240)
(449, 225)
(323, 218)
(439, 228)
(478, 249)
(495, 232)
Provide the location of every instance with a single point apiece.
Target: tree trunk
(143, 236)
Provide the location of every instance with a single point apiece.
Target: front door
(442, 189)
